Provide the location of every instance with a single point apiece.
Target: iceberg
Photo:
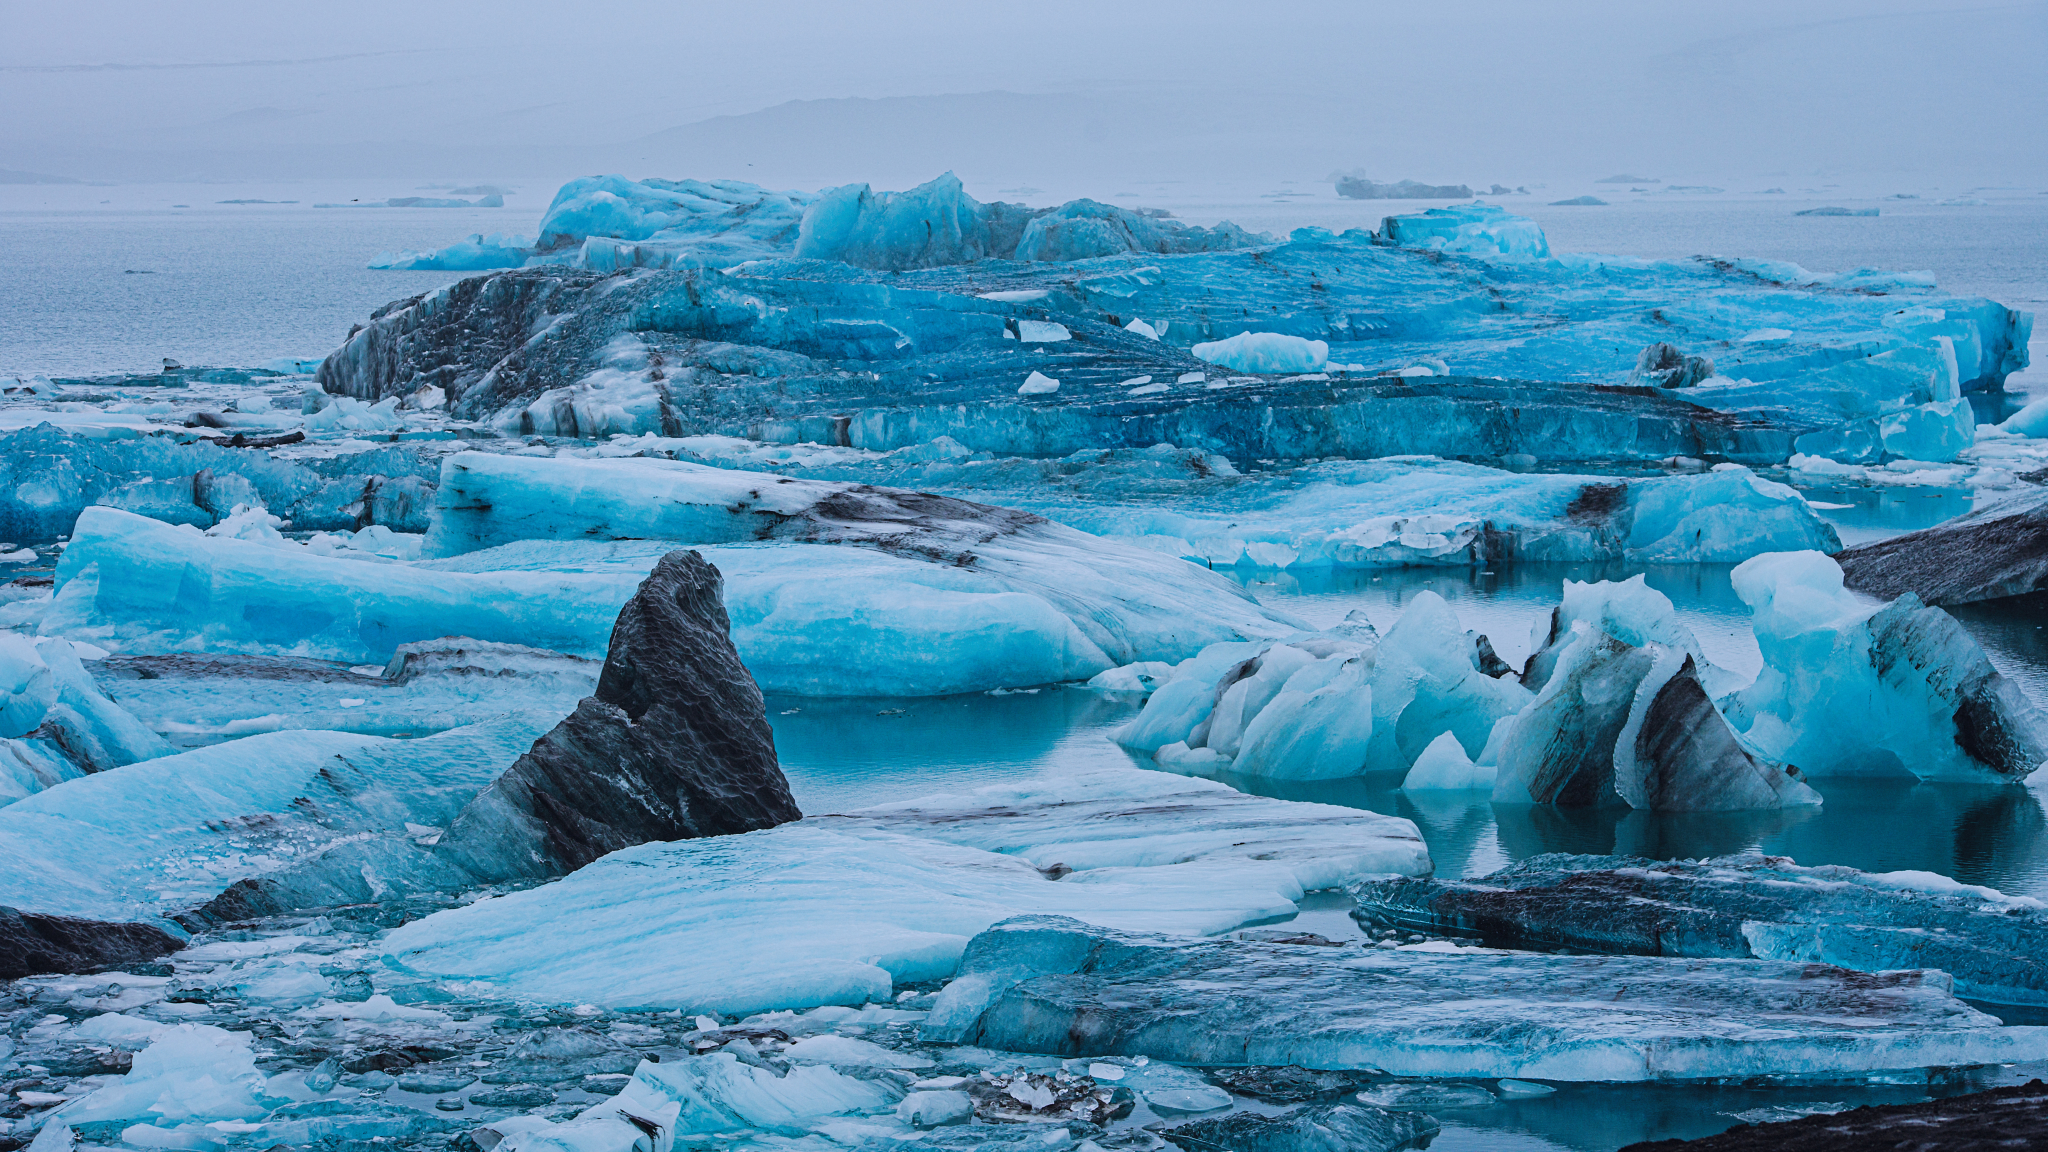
(1852, 689)
(1054, 985)
(1762, 907)
(805, 345)
(1270, 352)
(1986, 554)
(840, 909)
(1329, 705)
(1622, 713)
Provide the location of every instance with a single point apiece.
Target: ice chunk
(137, 585)
(1476, 229)
(1765, 907)
(1058, 604)
(1848, 689)
(1270, 352)
(1330, 705)
(1622, 714)
(1038, 384)
(1997, 551)
(190, 1072)
(1085, 229)
(1444, 766)
(1035, 984)
(835, 910)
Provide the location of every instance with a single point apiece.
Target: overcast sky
(1430, 89)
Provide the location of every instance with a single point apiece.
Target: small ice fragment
(1191, 378)
(1134, 382)
(351, 702)
(1764, 334)
(373, 670)
(1019, 296)
(1032, 1096)
(1038, 383)
(707, 1024)
(1149, 389)
(1523, 1088)
(24, 556)
(1106, 1071)
(1042, 331)
(1142, 329)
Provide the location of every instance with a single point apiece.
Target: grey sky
(1436, 90)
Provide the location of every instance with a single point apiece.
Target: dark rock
(675, 744)
(2001, 1119)
(1999, 551)
(32, 943)
(1318, 1128)
(1291, 1084)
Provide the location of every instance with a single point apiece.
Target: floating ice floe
(1992, 552)
(839, 909)
(1764, 907)
(1039, 984)
(1852, 689)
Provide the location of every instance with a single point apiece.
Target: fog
(1044, 94)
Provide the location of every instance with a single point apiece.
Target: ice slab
(1993, 552)
(1365, 514)
(428, 686)
(1046, 984)
(833, 910)
(1766, 907)
(1849, 688)
(137, 585)
(925, 594)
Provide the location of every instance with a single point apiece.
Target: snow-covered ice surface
(838, 909)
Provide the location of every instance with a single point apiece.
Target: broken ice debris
(1764, 907)
(1990, 553)
(674, 743)
(838, 909)
(1054, 985)
(1848, 689)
